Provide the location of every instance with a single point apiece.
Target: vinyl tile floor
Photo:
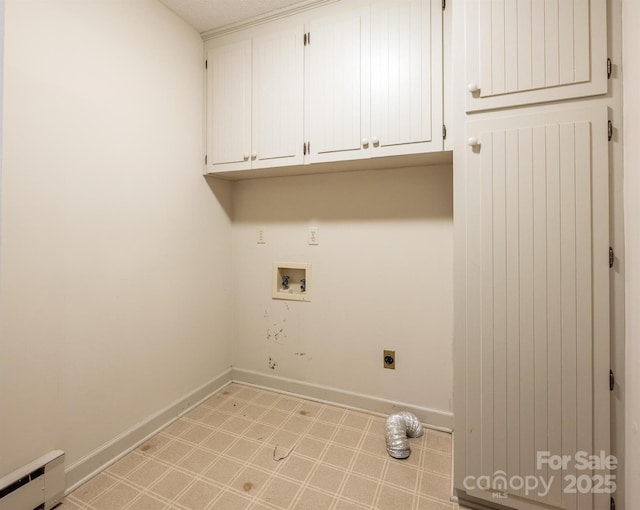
(247, 448)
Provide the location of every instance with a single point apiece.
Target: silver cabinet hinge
(608, 69)
(444, 132)
(612, 380)
(307, 38)
(205, 159)
(609, 130)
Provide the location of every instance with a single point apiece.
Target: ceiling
(205, 15)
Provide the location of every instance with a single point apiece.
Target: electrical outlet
(389, 359)
(260, 237)
(313, 236)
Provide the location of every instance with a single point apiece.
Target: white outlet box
(291, 281)
(313, 237)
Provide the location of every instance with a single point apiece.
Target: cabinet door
(406, 77)
(337, 87)
(529, 51)
(278, 98)
(537, 304)
(229, 107)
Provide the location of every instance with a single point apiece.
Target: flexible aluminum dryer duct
(401, 426)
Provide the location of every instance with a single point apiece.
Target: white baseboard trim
(102, 457)
(439, 420)
(107, 454)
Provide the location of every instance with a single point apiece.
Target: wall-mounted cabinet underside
(387, 163)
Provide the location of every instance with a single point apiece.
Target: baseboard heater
(37, 486)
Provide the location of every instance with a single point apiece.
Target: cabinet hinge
(205, 159)
(307, 38)
(611, 257)
(306, 148)
(444, 4)
(612, 380)
(444, 132)
(206, 64)
(612, 504)
(608, 68)
(609, 130)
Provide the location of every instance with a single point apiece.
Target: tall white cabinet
(532, 237)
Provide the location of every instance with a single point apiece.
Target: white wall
(382, 279)
(114, 291)
(1, 94)
(631, 73)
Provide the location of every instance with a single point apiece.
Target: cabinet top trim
(264, 18)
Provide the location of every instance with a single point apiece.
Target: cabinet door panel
(528, 51)
(337, 103)
(278, 99)
(405, 58)
(537, 300)
(229, 107)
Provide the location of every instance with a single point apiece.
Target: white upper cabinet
(374, 81)
(350, 80)
(337, 105)
(255, 102)
(529, 51)
(278, 99)
(229, 107)
(406, 77)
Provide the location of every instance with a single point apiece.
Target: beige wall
(382, 279)
(116, 269)
(115, 254)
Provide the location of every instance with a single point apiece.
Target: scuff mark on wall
(277, 334)
(272, 364)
